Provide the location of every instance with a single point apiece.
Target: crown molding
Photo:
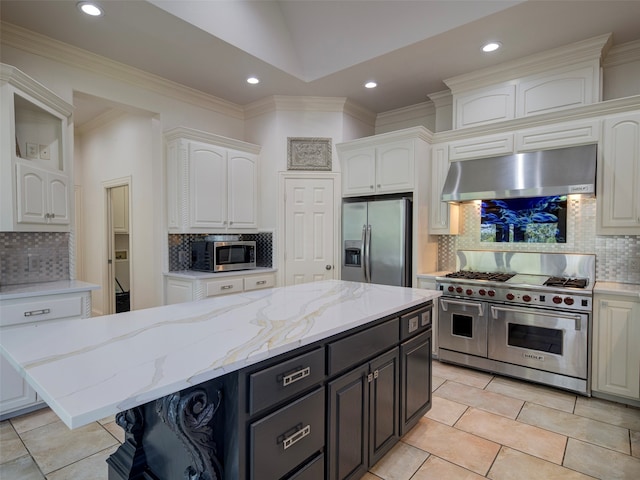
(444, 98)
(101, 120)
(621, 54)
(38, 44)
(586, 50)
(420, 132)
(412, 112)
(285, 103)
(200, 136)
(24, 82)
(585, 112)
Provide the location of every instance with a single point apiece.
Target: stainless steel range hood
(561, 171)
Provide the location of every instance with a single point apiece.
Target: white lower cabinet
(16, 395)
(616, 336)
(180, 288)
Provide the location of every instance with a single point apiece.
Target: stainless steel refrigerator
(376, 241)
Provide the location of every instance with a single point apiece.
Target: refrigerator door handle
(368, 255)
(364, 252)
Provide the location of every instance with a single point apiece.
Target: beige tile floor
(480, 426)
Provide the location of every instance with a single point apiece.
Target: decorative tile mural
(612, 252)
(531, 220)
(32, 257)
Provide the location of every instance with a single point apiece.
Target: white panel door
(32, 194)
(58, 199)
(208, 185)
(243, 190)
(309, 248)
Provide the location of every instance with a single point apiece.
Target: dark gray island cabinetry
(330, 410)
(304, 382)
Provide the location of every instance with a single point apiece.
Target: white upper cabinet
(558, 135)
(212, 183)
(443, 218)
(34, 159)
(551, 81)
(481, 146)
(383, 167)
(618, 197)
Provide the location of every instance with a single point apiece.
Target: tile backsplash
(180, 249)
(32, 257)
(612, 252)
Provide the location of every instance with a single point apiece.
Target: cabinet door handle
(32, 313)
(261, 282)
(295, 376)
(296, 437)
(226, 287)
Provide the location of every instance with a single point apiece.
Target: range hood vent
(562, 171)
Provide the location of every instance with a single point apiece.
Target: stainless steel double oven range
(521, 314)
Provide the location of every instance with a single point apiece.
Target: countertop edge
(616, 288)
(45, 288)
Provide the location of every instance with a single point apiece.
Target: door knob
(328, 267)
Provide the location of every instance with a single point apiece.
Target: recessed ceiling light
(90, 8)
(253, 80)
(370, 85)
(491, 47)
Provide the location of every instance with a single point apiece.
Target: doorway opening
(118, 251)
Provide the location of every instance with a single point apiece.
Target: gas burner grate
(469, 275)
(566, 282)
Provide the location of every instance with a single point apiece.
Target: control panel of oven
(521, 296)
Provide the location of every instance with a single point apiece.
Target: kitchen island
(193, 384)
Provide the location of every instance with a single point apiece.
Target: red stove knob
(557, 300)
(510, 296)
(451, 288)
(482, 291)
(526, 298)
(459, 289)
(492, 293)
(568, 301)
(469, 291)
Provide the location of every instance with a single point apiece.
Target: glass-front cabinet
(34, 156)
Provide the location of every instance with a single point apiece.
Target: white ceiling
(322, 48)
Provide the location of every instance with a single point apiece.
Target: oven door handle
(577, 318)
(445, 305)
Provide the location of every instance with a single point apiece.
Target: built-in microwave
(216, 256)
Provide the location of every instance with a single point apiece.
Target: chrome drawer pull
(295, 376)
(261, 282)
(44, 311)
(226, 287)
(296, 437)
(445, 305)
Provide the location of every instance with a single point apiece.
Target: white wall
(123, 148)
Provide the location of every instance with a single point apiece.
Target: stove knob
(469, 291)
(557, 300)
(451, 288)
(510, 296)
(491, 293)
(526, 298)
(459, 289)
(568, 301)
(482, 291)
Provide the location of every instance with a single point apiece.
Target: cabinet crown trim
(22, 81)
(200, 136)
(591, 49)
(408, 133)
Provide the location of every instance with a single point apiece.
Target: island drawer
(255, 282)
(275, 384)
(286, 438)
(312, 470)
(358, 347)
(414, 323)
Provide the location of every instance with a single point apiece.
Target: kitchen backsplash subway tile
(32, 257)
(612, 252)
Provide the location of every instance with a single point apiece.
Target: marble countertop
(88, 370)
(626, 289)
(195, 275)
(45, 288)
